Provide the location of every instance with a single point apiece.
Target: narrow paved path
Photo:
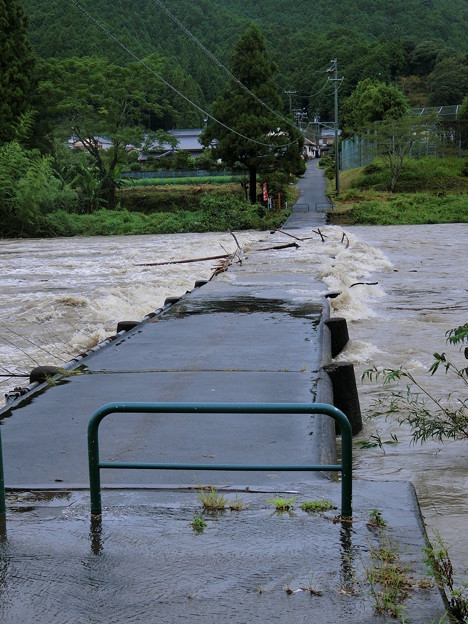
(310, 206)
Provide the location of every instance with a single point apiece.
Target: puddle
(136, 562)
(246, 305)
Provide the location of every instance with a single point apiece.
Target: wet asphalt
(254, 334)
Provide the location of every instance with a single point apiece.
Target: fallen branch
(364, 284)
(306, 237)
(222, 267)
(288, 234)
(239, 248)
(322, 236)
(148, 264)
(279, 247)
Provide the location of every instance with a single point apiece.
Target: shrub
(28, 188)
(327, 160)
(429, 416)
(373, 167)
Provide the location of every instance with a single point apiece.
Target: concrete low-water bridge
(255, 334)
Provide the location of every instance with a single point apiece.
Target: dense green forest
(421, 45)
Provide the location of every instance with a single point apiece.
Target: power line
(219, 64)
(168, 84)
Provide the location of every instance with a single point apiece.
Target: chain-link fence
(437, 137)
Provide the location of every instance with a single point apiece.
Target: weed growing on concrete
(440, 568)
(282, 504)
(236, 504)
(316, 506)
(386, 552)
(287, 587)
(212, 500)
(376, 519)
(198, 524)
(388, 580)
(54, 378)
(312, 588)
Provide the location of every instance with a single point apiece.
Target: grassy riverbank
(210, 213)
(429, 190)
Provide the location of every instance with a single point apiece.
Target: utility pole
(290, 92)
(317, 133)
(336, 80)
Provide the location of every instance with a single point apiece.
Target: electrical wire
(168, 84)
(12, 331)
(220, 65)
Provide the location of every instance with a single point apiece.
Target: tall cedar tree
(268, 143)
(16, 67)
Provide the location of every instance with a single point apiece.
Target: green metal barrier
(95, 465)
(302, 207)
(2, 481)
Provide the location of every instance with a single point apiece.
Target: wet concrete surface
(254, 335)
(145, 563)
(249, 354)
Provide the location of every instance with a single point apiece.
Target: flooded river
(401, 321)
(62, 296)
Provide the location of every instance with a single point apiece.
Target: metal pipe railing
(95, 465)
(2, 481)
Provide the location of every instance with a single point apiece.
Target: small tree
(370, 102)
(252, 134)
(92, 99)
(394, 141)
(428, 415)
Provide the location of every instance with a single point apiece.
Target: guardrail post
(93, 459)
(347, 466)
(2, 482)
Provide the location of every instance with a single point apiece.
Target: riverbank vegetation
(429, 416)
(214, 214)
(428, 190)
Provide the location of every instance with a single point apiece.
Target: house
(102, 143)
(327, 137)
(311, 149)
(188, 140)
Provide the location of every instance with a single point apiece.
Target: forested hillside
(58, 29)
(421, 44)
